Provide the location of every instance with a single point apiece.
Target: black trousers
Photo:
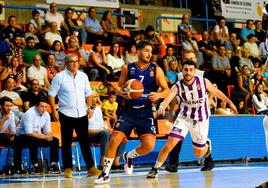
(5, 140)
(174, 154)
(80, 125)
(25, 141)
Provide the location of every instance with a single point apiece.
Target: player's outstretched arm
(219, 94)
(167, 100)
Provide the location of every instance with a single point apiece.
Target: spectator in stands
(11, 31)
(34, 131)
(53, 16)
(7, 122)
(74, 49)
(52, 67)
(53, 35)
(17, 48)
(245, 60)
(241, 107)
(154, 39)
(221, 69)
(30, 97)
(191, 45)
(74, 111)
(258, 79)
(131, 54)
(172, 73)
(58, 52)
(31, 32)
(222, 109)
(263, 48)
(16, 71)
(213, 101)
(235, 44)
(260, 100)
(259, 33)
(184, 27)
(36, 21)
(243, 89)
(36, 71)
(220, 34)
(252, 46)
(168, 58)
(245, 31)
(98, 61)
(115, 59)
(114, 34)
(70, 23)
(8, 91)
(109, 108)
(73, 33)
(30, 51)
(207, 47)
(92, 30)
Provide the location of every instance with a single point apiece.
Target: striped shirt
(193, 99)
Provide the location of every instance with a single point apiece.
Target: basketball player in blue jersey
(137, 113)
(193, 116)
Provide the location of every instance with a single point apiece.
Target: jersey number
(142, 77)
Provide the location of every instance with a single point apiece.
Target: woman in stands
(53, 35)
(168, 58)
(58, 52)
(114, 34)
(97, 60)
(154, 39)
(31, 32)
(222, 109)
(243, 87)
(16, 71)
(115, 59)
(260, 100)
(131, 54)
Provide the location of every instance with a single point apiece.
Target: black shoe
(153, 173)
(208, 165)
(171, 168)
(37, 170)
(117, 167)
(20, 171)
(54, 169)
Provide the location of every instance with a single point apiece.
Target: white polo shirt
(38, 74)
(72, 92)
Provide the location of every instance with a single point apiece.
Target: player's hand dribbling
(153, 96)
(123, 93)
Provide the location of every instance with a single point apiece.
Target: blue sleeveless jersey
(148, 79)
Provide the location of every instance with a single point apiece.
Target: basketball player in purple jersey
(193, 116)
(137, 113)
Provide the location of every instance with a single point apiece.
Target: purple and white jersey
(193, 99)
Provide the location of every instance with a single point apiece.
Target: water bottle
(74, 161)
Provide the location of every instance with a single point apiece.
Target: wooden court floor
(223, 176)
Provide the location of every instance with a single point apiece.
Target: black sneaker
(117, 167)
(54, 169)
(20, 171)
(37, 170)
(128, 164)
(208, 165)
(153, 173)
(171, 168)
(102, 179)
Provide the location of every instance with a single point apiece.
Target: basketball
(134, 88)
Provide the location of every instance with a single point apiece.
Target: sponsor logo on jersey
(152, 73)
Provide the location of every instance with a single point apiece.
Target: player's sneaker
(153, 173)
(128, 167)
(102, 179)
(208, 165)
(171, 168)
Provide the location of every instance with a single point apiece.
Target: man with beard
(30, 51)
(137, 113)
(193, 116)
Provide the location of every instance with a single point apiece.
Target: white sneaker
(102, 179)
(128, 167)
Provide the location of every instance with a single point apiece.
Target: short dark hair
(12, 16)
(5, 99)
(29, 38)
(112, 93)
(90, 8)
(189, 62)
(142, 44)
(34, 12)
(41, 99)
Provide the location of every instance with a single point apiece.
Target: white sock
(132, 154)
(158, 164)
(107, 165)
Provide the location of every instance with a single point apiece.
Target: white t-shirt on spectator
(221, 31)
(58, 18)
(38, 74)
(96, 121)
(52, 37)
(115, 63)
